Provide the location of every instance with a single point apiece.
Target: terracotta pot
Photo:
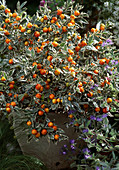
(44, 149)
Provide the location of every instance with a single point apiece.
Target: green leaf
(20, 97)
(118, 69)
(23, 4)
(2, 46)
(96, 38)
(65, 47)
(90, 40)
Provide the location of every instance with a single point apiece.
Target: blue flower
(86, 150)
(65, 146)
(85, 130)
(72, 141)
(92, 117)
(99, 119)
(104, 44)
(64, 153)
(97, 168)
(87, 156)
(72, 147)
(105, 115)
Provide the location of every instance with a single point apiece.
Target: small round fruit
(57, 72)
(40, 112)
(50, 124)
(109, 100)
(3, 79)
(13, 104)
(37, 135)
(51, 96)
(8, 109)
(11, 61)
(29, 123)
(46, 110)
(54, 101)
(97, 109)
(34, 132)
(55, 128)
(56, 137)
(44, 132)
(38, 86)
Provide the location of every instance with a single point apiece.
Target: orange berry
(57, 72)
(83, 43)
(51, 96)
(72, 17)
(92, 30)
(62, 16)
(29, 25)
(58, 100)
(55, 128)
(70, 59)
(102, 28)
(76, 13)
(54, 101)
(40, 112)
(46, 110)
(37, 135)
(56, 137)
(77, 48)
(71, 116)
(64, 29)
(6, 32)
(8, 109)
(38, 86)
(50, 124)
(3, 79)
(14, 15)
(90, 94)
(44, 132)
(34, 75)
(59, 12)
(26, 43)
(102, 61)
(7, 41)
(96, 71)
(36, 33)
(11, 86)
(54, 43)
(42, 106)
(34, 132)
(81, 89)
(18, 18)
(45, 17)
(16, 95)
(13, 104)
(49, 29)
(80, 84)
(42, 71)
(7, 10)
(45, 29)
(11, 61)
(10, 47)
(38, 96)
(23, 29)
(10, 94)
(29, 123)
(7, 20)
(69, 98)
(97, 109)
(49, 58)
(109, 100)
(104, 110)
